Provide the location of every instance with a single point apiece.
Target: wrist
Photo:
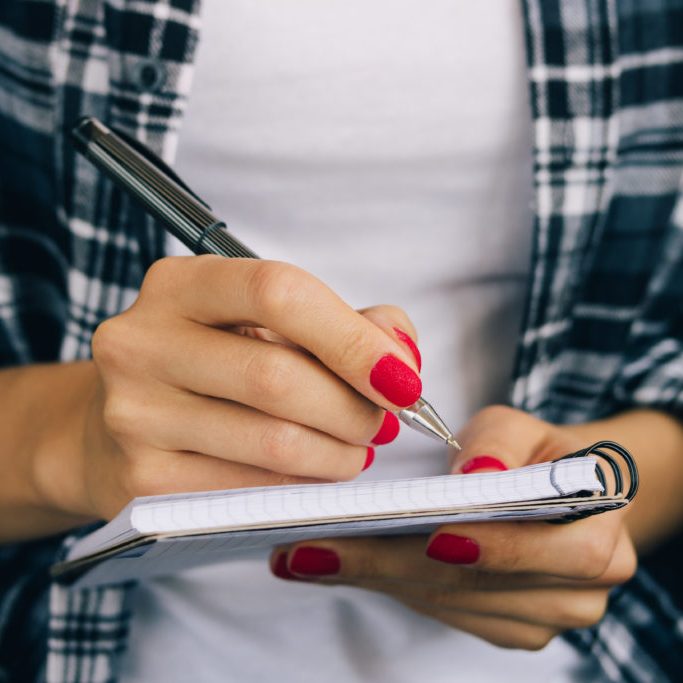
(61, 446)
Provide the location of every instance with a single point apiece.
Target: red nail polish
(388, 431)
(396, 381)
(311, 561)
(369, 458)
(408, 341)
(280, 568)
(453, 549)
(483, 462)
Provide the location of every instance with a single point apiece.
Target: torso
(385, 147)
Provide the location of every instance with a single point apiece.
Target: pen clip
(146, 152)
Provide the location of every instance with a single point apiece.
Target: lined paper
(290, 503)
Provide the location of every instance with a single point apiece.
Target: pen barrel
(185, 216)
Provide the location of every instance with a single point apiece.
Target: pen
(140, 172)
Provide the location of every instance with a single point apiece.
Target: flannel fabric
(603, 329)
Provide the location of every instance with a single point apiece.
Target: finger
(500, 438)
(396, 559)
(396, 324)
(557, 608)
(216, 291)
(270, 377)
(506, 633)
(392, 319)
(580, 550)
(151, 472)
(622, 565)
(401, 559)
(237, 433)
(388, 318)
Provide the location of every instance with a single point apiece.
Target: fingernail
(408, 341)
(388, 431)
(311, 561)
(453, 549)
(280, 568)
(369, 458)
(396, 381)
(483, 462)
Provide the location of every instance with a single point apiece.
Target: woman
(395, 170)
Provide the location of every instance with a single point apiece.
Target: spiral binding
(599, 449)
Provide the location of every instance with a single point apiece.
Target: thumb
(501, 438)
(397, 325)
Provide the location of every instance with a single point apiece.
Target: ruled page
(277, 505)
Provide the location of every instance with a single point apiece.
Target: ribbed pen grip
(138, 171)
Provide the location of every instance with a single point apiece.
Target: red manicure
(453, 549)
(388, 431)
(483, 462)
(311, 561)
(408, 341)
(280, 568)
(396, 381)
(369, 458)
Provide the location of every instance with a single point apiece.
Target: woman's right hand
(194, 392)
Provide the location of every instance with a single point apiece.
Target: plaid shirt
(603, 329)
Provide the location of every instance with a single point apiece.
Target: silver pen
(140, 172)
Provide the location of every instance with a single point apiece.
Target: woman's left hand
(514, 584)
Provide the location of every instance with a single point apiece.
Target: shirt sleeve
(651, 371)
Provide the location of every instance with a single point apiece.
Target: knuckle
(280, 443)
(271, 374)
(273, 285)
(537, 639)
(626, 569)
(522, 637)
(109, 342)
(121, 417)
(587, 612)
(352, 344)
(594, 558)
(161, 273)
(624, 563)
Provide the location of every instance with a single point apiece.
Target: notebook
(159, 535)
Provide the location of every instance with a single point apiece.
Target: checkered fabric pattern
(603, 329)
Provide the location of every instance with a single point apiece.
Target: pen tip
(452, 442)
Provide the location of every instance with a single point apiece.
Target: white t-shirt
(385, 146)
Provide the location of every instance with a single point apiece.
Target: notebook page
(294, 503)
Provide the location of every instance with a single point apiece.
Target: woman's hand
(233, 372)
(515, 584)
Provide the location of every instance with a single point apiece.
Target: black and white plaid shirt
(603, 329)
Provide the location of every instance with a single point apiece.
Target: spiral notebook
(166, 534)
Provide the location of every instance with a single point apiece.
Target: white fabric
(383, 145)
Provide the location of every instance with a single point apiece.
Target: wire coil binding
(600, 449)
